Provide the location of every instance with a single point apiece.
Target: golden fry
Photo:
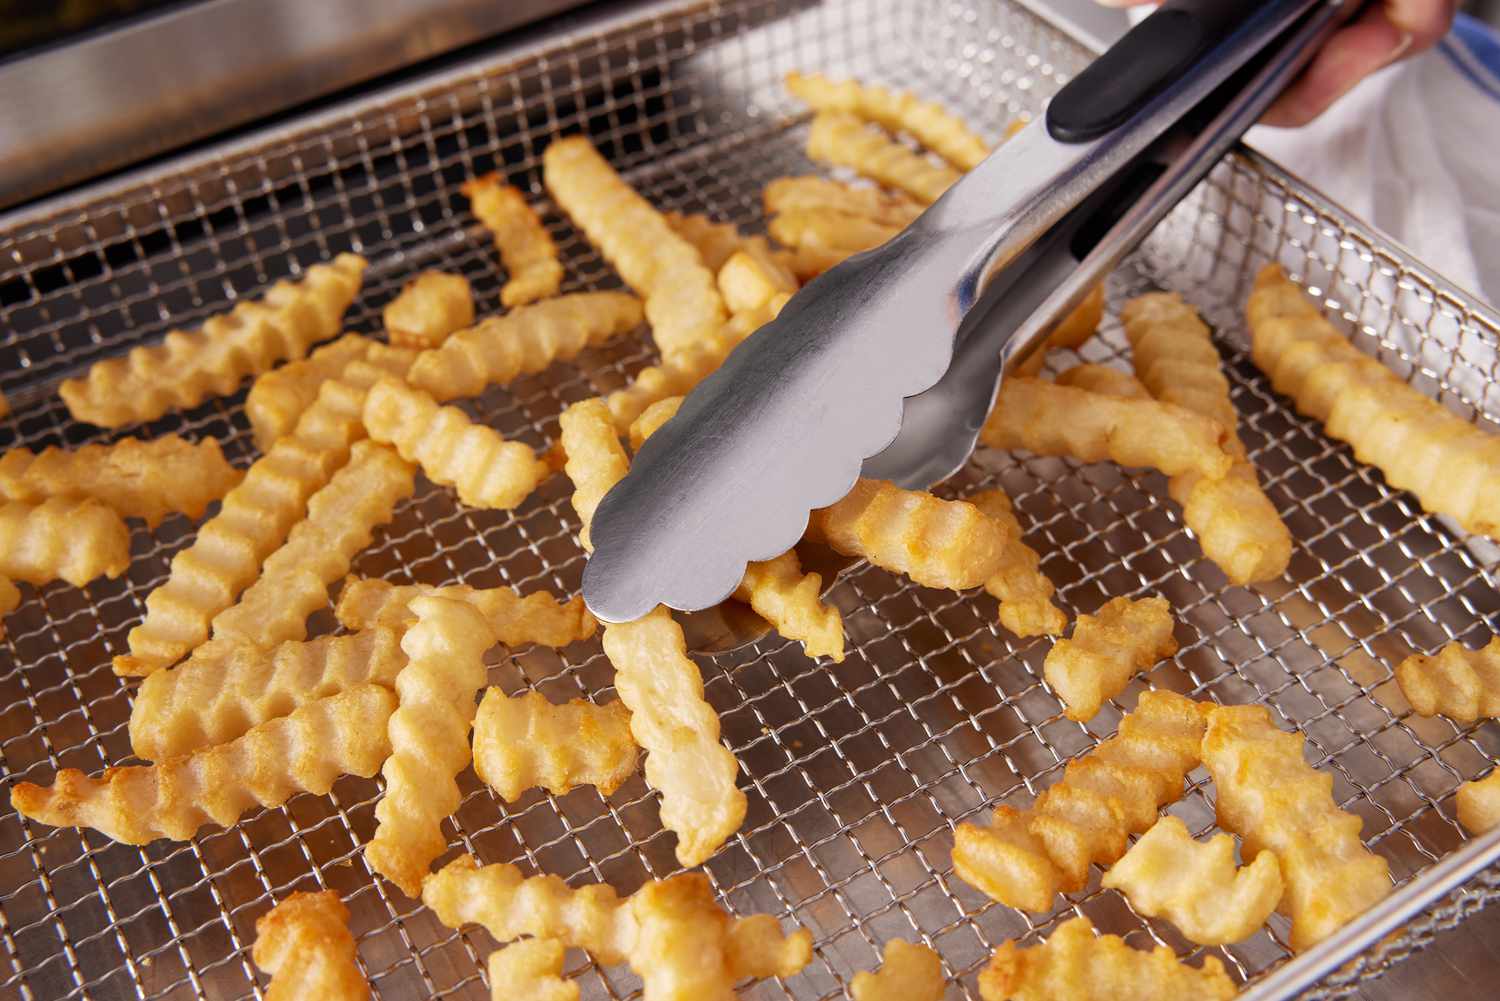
(189, 366)
(516, 621)
(841, 140)
(791, 602)
(808, 263)
(255, 517)
(431, 307)
(62, 538)
(453, 450)
(341, 520)
(429, 738)
(305, 945)
(1024, 592)
(526, 741)
(1106, 651)
(278, 398)
(1074, 964)
(596, 459)
(679, 731)
(1048, 419)
(908, 972)
(1271, 798)
(1070, 333)
(652, 419)
(752, 277)
(715, 242)
(682, 304)
(927, 121)
(937, 543)
(526, 248)
(1459, 683)
(531, 969)
(10, 600)
(1235, 522)
(524, 341)
(829, 229)
(1479, 804)
(226, 687)
(790, 194)
(1103, 379)
(303, 752)
(1195, 885)
(146, 479)
(1451, 465)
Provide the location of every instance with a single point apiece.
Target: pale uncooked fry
(10, 600)
(596, 459)
(679, 731)
(453, 450)
(1074, 964)
(1459, 683)
(908, 972)
(523, 742)
(147, 479)
(788, 194)
(1106, 651)
(937, 543)
(1272, 798)
(515, 620)
(1103, 379)
(278, 398)
(1235, 522)
(189, 366)
(1195, 885)
(752, 277)
(1479, 804)
(715, 242)
(1451, 465)
(530, 969)
(526, 248)
(927, 121)
(305, 945)
(1024, 592)
(227, 687)
(303, 752)
(62, 538)
(1070, 333)
(1048, 419)
(829, 229)
(431, 307)
(341, 520)
(255, 517)
(1024, 857)
(682, 304)
(429, 735)
(524, 341)
(842, 140)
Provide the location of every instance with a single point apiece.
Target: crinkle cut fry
(305, 945)
(255, 517)
(787, 194)
(715, 242)
(524, 341)
(1271, 798)
(227, 687)
(1103, 379)
(1024, 592)
(454, 451)
(842, 140)
(526, 248)
(927, 121)
(596, 459)
(1478, 804)
(341, 520)
(524, 741)
(1235, 522)
(1106, 651)
(62, 538)
(1074, 964)
(278, 398)
(303, 752)
(530, 969)
(908, 972)
(1023, 858)
(1449, 464)
(537, 618)
(189, 366)
(829, 229)
(431, 306)
(147, 479)
(1070, 332)
(1459, 683)
(682, 302)
(1047, 419)
(429, 736)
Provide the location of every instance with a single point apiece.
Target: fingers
(1426, 21)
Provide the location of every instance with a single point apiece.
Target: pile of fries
(237, 707)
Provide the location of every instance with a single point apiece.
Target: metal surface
(784, 425)
(93, 104)
(855, 773)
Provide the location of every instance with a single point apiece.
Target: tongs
(887, 365)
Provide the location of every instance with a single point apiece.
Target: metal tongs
(887, 365)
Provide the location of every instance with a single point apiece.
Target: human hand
(1387, 30)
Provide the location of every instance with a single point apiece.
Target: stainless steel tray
(855, 773)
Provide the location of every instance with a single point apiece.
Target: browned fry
(305, 944)
(10, 599)
(538, 617)
(525, 246)
(431, 306)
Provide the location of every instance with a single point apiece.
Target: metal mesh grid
(855, 773)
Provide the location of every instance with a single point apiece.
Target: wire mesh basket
(855, 773)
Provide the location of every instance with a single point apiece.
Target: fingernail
(1401, 49)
